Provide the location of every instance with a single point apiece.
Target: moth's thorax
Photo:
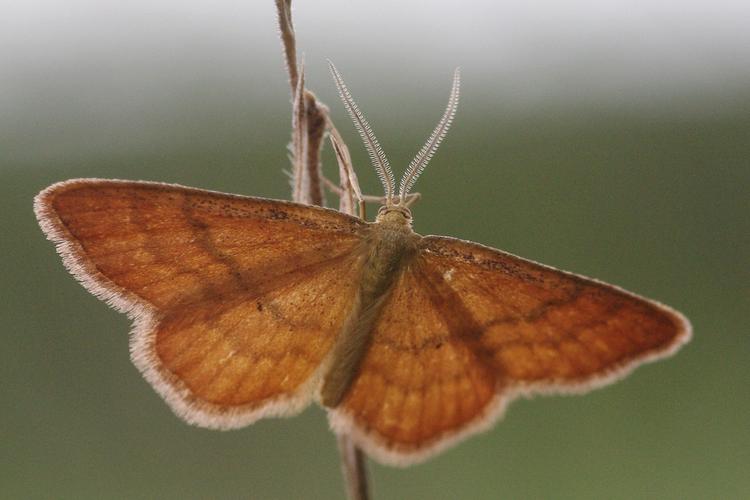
(390, 244)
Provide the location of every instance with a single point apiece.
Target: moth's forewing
(467, 328)
(236, 301)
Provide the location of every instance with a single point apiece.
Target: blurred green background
(604, 142)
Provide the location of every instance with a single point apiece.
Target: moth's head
(396, 203)
(394, 214)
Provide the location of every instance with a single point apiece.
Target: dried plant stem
(310, 125)
(308, 119)
(353, 467)
(286, 31)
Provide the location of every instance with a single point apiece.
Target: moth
(245, 308)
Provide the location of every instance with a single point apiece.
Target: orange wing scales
(236, 301)
(255, 347)
(143, 235)
(490, 326)
(541, 324)
(417, 382)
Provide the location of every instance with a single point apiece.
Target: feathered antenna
(425, 154)
(377, 156)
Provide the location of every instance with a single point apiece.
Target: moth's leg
(339, 191)
(333, 187)
(411, 198)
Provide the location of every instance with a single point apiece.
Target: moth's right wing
(467, 328)
(236, 301)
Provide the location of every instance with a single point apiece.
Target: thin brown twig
(300, 188)
(354, 469)
(286, 31)
(310, 124)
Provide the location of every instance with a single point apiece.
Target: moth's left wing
(467, 328)
(236, 301)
